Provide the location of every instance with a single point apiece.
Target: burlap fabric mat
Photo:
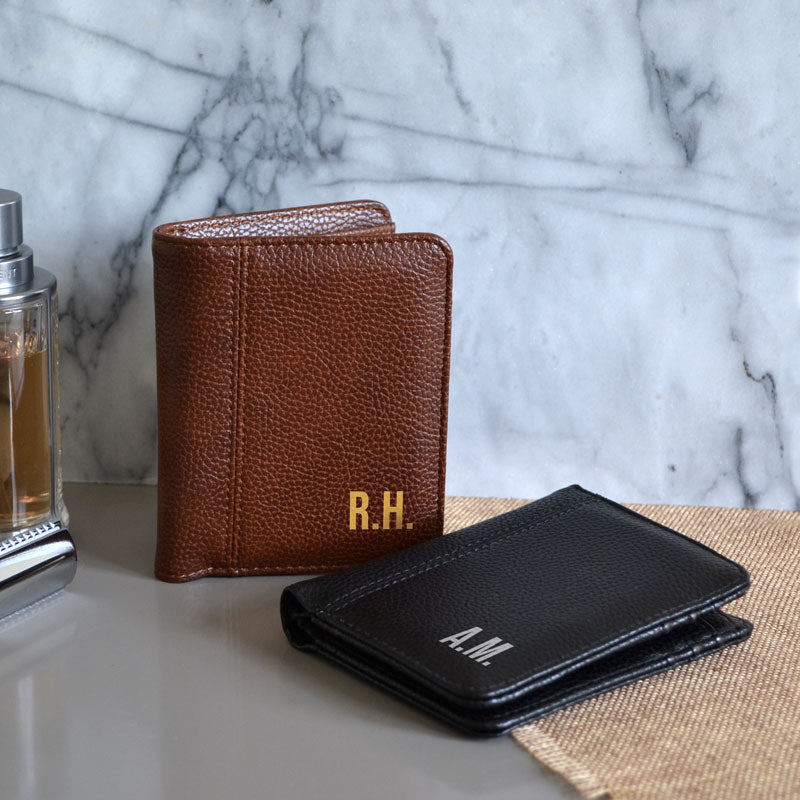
(724, 727)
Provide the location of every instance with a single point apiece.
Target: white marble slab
(618, 183)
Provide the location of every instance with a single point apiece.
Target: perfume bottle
(36, 552)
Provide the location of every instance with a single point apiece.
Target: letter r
(358, 510)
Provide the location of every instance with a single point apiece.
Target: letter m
(489, 648)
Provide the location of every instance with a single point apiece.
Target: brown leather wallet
(303, 360)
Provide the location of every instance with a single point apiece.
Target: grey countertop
(128, 687)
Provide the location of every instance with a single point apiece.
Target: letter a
(457, 638)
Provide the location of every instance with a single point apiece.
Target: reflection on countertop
(191, 690)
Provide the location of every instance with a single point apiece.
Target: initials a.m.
(479, 652)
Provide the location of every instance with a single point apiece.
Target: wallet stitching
(234, 394)
(343, 601)
(239, 430)
(675, 657)
(574, 664)
(308, 240)
(444, 392)
(589, 497)
(687, 654)
(448, 285)
(331, 608)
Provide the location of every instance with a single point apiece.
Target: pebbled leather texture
(590, 594)
(302, 354)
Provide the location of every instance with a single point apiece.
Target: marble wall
(617, 180)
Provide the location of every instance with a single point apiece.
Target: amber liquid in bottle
(24, 439)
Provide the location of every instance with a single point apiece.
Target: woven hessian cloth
(724, 727)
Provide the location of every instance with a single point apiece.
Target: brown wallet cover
(303, 360)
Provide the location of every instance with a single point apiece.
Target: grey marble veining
(617, 181)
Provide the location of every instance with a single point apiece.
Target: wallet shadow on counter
(384, 728)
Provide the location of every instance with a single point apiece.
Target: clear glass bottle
(30, 451)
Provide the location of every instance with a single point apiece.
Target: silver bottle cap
(16, 258)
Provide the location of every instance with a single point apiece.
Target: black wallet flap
(518, 601)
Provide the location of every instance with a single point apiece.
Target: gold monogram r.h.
(359, 515)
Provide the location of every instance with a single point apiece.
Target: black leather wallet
(523, 614)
